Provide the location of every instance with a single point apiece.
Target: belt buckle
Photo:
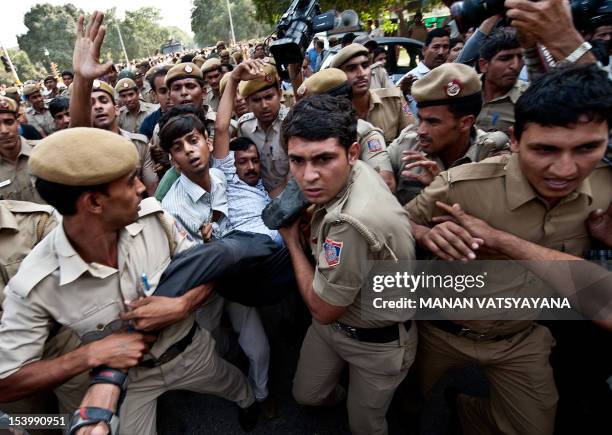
(347, 330)
(473, 335)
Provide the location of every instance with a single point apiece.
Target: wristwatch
(576, 54)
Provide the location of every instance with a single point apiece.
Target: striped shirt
(192, 206)
(246, 202)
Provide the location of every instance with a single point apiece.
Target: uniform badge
(374, 146)
(301, 90)
(96, 84)
(126, 85)
(188, 69)
(333, 251)
(453, 88)
(268, 78)
(4, 104)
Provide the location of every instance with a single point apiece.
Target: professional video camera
(586, 13)
(296, 29)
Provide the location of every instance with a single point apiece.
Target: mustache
(248, 173)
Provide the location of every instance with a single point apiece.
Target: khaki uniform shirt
(212, 100)
(54, 284)
(22, 225)
(16, 182)
(380, 78)
(340, 249)
(496, 191)
(482, 146)
(145, 162)
(41, 121)
(130, 122)
(498, 114)
(373, 147)
(389, 111)
(274, 160)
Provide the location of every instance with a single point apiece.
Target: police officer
(542, 194)
(263, 126)
(356, 218)
(333, 81)
(15, 179)
(22, 226)
(38, 114)
(133, 112)
(384, 108)
(211, 71)
(449, 99)
(380, 77)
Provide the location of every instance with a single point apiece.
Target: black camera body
(587, 14)
(296, 28)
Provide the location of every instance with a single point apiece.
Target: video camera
(296, 29)
(587, 14)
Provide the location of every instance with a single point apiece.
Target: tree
(50, 28)
(210, 21)
(142, 33)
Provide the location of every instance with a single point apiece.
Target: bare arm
(87, 67)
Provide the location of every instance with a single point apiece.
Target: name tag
(5, 183)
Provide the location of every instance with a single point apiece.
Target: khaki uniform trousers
(198, 369)
(523, 397)
(375, 371)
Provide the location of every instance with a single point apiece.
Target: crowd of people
(140, 207)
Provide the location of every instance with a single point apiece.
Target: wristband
(107, 375)
(91, 415)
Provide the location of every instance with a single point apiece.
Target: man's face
(50, 84)
(62, 119)
(503, 69)
(160, 90)
(359, 74)
(191, 153)
(213, 78)
(140, 77)
(321, 168)
(225, 58)
(9, 133)
(103, 110)
(111, 77)
(381, 58)
(130, 99)
(120, 203)
(186, 91)
(220, 48)
(248, 166)
(439, 130)
(67, 79)
(436, 52)
(37, 102)
(259, 53)
(603, 33)
(240, 105)
(265, 104)
(555, 160)
(454, 52)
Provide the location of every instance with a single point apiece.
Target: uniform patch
(188, 69)
(333, 251)
(374, 146)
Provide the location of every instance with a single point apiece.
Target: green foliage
(210, 21)
(26, 70)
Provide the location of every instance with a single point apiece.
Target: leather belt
(384, 334)
(173, 351)
(461, 331)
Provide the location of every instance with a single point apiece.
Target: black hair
(320, 44)
(64, 197)
(455, 41)
(348, 38)
(435, 33)
(178, 121)
(498, 40)
(187, 57)
(320, 117)
(159, 72)
(229, 66)
(378, 50)
(563, 96)
(59, 104)
(241, 144)
(67, 73)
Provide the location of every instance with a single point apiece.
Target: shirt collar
(422, 68)
(7, 219)
(194, 191)
(71, 265)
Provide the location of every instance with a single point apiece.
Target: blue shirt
(148, 124)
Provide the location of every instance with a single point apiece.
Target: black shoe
(285, 208)
(268, 408)
(247, 417)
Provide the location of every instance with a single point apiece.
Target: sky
(174, 13)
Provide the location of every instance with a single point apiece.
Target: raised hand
(249, 70)
(418, 160)
(86, 55)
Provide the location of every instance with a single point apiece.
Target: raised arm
(87, 67)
